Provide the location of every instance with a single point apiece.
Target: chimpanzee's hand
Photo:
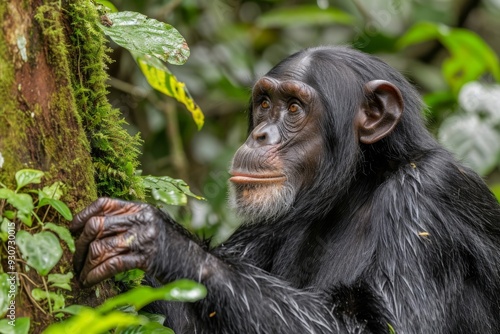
(116, 236)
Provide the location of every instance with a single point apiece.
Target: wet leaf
(41, 251)
(138, 33)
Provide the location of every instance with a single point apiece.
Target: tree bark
(54, 116)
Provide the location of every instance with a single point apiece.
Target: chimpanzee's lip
(240, 177)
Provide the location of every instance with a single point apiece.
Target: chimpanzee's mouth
(239, 177)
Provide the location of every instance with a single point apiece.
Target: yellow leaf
(161, 79)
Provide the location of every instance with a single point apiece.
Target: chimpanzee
(355, 219)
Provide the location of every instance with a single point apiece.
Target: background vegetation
(441, 46)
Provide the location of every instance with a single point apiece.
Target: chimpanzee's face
(282, 152)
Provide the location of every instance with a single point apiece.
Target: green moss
(114, 152)
(82, 60)
(9, 113)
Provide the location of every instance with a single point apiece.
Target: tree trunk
(54, 116)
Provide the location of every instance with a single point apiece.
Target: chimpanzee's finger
(102, 250)
(96, 228)
(103, 207)
(111, 267)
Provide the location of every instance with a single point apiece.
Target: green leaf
(161, 79)
(4, 229)
(9, 214)
(130, 278)
(54, 191)
(58, 205)
(421, 32)
(28, 176)
(137, 33)
(107, 4)
(149, 328)
(167, 190)
(20, 326)
(60, 280)
(56, 300)
(496, 191)
(91, 321)
(41, 251)
(470, 56)
(473, 140)
(22, 202)
(4, 293)
(63, 233)
(303, 15)
(181, 290)
(72, 309)
(6, 193)
(171, 197)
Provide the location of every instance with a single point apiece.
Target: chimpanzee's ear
(380, 113)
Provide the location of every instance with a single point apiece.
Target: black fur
(395, 234)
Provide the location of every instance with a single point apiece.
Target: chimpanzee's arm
(117, 236)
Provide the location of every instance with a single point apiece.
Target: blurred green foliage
(441, 46)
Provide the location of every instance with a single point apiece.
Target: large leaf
(161, 79)
(473, 140)
(306, 15)
(41, 251)
(137, 33)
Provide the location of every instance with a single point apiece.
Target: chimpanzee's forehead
(268, 85)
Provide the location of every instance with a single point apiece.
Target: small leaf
(63, 233)
(9, 214)
(58, 205)
(41, 251)
(107, 4)
(21, 326)
(181, 290)
(137, 33)
(54, 298)
(4, 231)
(4, 293)
(54, 191)
(168, 190)
(28, 176)
(24, 205)
(161, 79)
(6, 193)
(60, 281)
(171, 197)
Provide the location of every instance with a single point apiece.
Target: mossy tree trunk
(54, 116)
